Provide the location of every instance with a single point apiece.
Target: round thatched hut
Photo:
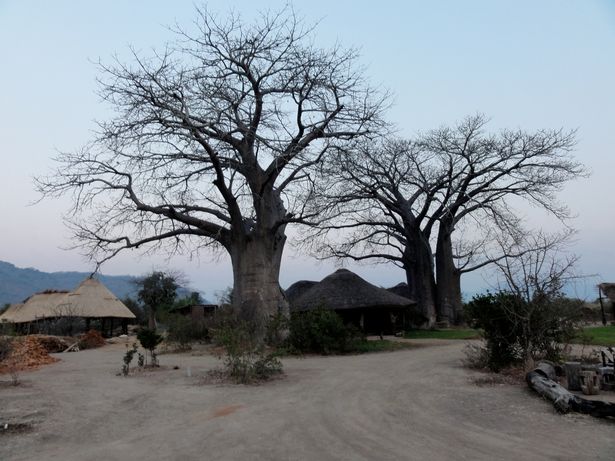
(401, 289)
(295, 291)
(90, 300)
(371, 308)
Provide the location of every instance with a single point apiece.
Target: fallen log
(72, 347)
(540, 379)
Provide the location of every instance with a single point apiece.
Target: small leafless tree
(541, 266)
(215, 143)
(65, 320)
(545, 318)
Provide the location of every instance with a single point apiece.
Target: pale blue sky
(529, 64)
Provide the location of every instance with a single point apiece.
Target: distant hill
(16, 284)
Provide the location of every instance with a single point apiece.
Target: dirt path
(414, 404)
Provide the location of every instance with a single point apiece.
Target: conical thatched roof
(294, 291)
(346, 290)
(609, 290)
(38, 306)
(92, 299)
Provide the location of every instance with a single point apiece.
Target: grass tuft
(597, 336)
(455, 333)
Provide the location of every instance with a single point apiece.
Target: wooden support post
(602, 306)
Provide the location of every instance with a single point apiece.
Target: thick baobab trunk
(256, 290)
(418, 264)
(448, 278)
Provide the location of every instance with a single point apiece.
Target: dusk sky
(525, 64)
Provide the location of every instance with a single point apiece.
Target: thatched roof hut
(401, 289)
(39, 306)
(371, 308)
(91, 299)
(346, 290)
(294, 291)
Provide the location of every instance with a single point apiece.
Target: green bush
(516, 330)
(127, 359)
(149, 339)
(246, 359)
(321, 331)
(183, 330)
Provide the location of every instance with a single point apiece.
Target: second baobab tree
(214, 143)
(392, 200)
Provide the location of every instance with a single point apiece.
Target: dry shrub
(91, 340)
(5, 347)
(476, 356)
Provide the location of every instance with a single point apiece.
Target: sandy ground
(417, 404)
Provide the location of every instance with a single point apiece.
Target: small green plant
(128, 356)
(149, 339)
(140, 360)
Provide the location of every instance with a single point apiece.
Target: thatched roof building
(41, 305)
(346, 290)
(609, 290)
(357, 301)
(401, 289)
(294, 291)
(90, 300)
(196, 312)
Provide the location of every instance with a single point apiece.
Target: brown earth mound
(91, 340)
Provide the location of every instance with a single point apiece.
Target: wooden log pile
(542, 380)
(26, 352)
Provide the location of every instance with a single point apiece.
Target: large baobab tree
(214, 142)
(380, 202)
(395, 199)
(489, 170)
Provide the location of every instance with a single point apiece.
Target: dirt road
(416, 404)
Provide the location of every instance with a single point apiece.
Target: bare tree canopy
(214, 142)
(542, 266)
(396, 197)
